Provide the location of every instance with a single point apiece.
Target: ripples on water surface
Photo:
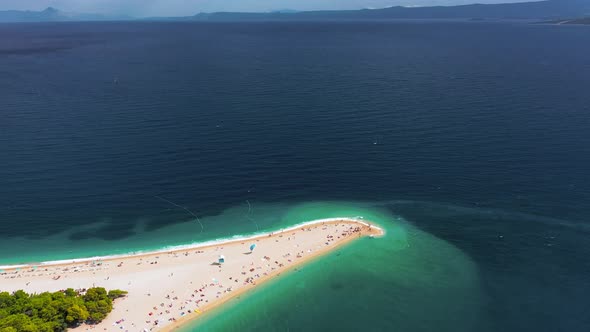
(471, 140)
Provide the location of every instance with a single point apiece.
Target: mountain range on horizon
(51, 14)
(536, 10)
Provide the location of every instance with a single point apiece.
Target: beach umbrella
(252, 246)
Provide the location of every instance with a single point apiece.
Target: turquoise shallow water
(245, 219)
(407, 272)
(406, 281)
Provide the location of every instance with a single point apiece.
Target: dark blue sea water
(475, 135)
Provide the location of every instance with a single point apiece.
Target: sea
(469, 142)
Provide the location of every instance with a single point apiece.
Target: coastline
(191, 246)
(184, 269)
(207, 309)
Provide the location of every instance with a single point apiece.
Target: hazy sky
(190, 7)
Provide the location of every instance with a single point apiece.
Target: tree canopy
(49, 312)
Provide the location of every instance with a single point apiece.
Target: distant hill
(537, 10)
(49, 14)
(550, 9)
(52, 15)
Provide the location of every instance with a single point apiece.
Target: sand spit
(168, 288)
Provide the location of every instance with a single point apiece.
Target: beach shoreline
(185, 320)
(189, 281)
(191, 246)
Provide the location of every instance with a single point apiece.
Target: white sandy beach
(167, 289)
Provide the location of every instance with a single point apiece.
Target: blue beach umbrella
(252, 246)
